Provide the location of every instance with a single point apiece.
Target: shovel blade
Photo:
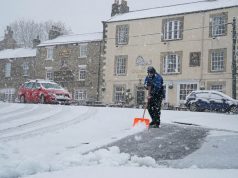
(141, 120)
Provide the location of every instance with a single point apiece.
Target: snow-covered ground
(53, 141)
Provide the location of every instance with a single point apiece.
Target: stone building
(16, 66)
(189, 44)
(75, 62)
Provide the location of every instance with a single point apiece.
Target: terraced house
(16, 66)
(74, 61)
(189, 44)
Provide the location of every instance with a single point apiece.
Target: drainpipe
(202, 49)
(99, 70)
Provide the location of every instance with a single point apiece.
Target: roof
(17, 53)
(75, 38)
(41, 81)
(195, 6)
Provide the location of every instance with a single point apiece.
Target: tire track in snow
(9, 108)
(17, 115)
(51, 128)
(25, 121)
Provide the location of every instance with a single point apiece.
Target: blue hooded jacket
(156, 83)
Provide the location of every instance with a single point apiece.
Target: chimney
(115, 8)
(123, 7)
(36, 41)
(54, 32)
(9, 42)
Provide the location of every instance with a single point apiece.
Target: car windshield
(51, 86)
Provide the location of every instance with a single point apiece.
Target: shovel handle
(145, 109)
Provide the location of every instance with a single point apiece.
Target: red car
(43, 91)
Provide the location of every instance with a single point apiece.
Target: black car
(210, 100)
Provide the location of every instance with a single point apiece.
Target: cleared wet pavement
(170, 142)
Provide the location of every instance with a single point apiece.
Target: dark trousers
(154, 108)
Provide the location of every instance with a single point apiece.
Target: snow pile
(103, 157)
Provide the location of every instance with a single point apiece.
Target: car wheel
(193, 107)
(42, 99)
(234, 109)
(22, 99)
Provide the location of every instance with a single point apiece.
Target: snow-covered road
(37, 138)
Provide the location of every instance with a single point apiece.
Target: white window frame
(50, 52)
(172, 30)
(49, 74)
(25, 68)
(217, 87)
(82, 72)
(122, 34)
(166, 88)
(8, 94)
(83, 50)
(80, 95)
(218, 25)
(8, 67)
(171, 64)
(189, 87)
(217, 61)
(119, 93)
(120, 65)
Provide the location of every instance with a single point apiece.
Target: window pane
(122, 34)
(49, 53)
(172, 30)
(8, 70)
(172, 64)
(217, 61)
(185, 89)
(216, 87)
(80, 95)
(83, 50)
(218, 25)
(119, 94)
(121, 65)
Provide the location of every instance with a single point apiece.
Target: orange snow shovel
(143, 120)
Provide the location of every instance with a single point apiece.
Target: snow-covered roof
(195, 6)
(17, 53)
(75, 38)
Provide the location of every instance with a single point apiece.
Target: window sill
(215, 36)
(121, 45)
(48, 59)
(174, 73)
(168, 40)
(120, 75)
(217, 71)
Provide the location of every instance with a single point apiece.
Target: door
(140, 97)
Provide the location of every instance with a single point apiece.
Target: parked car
(210, 100)
(43, 91)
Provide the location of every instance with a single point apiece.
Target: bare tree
(24, 31)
